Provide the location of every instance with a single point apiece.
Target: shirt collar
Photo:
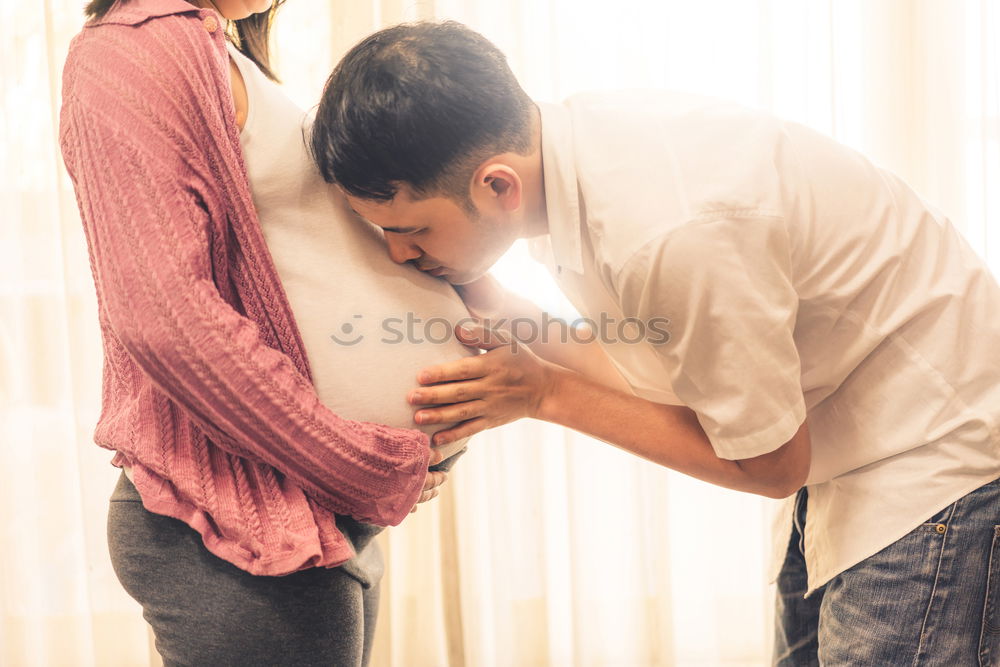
(137, 11)
(562, 201)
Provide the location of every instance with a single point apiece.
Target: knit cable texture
(206, 389)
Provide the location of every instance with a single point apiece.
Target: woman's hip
(205, 610)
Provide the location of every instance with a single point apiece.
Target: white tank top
(368, 324)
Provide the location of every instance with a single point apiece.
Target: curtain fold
(545, 547)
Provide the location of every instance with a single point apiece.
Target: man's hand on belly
(484, 391)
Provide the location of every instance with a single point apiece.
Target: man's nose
(401, 250)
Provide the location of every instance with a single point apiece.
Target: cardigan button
(210, 24)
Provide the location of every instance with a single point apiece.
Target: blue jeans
(930, 598)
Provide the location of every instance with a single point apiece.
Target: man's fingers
(457, 412)
(446, 394)
(469, 368)
(482, 335)
(459, 431)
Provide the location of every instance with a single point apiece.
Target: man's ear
(496, 184)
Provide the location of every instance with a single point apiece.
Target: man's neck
(536, 221)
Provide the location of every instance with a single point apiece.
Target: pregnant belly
(366, 347)
(369, 325)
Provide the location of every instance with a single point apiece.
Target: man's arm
(671, 436)
(725, 285)
(510, 382)
(575, 349)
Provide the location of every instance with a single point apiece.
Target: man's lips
(436, 271)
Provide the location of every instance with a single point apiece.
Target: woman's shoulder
(160, 56)
(157, 83)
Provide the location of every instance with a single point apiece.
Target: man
(824, 326)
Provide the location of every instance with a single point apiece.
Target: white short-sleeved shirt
(795, 279)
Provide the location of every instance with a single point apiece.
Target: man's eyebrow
(394, 230)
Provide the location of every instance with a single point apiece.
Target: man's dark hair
(421, 104)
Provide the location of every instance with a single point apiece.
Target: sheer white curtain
(546, 548)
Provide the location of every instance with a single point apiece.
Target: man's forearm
(510, 382)
(668, 435)
(559, 343)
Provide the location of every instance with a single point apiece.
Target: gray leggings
(206, 611)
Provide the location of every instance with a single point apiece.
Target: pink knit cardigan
(206, 389)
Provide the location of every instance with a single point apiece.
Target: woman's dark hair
(251, 34)
(419, 104)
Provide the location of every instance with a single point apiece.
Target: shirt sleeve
(148, 206)
(725, 287)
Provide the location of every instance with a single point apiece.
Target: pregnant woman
(258, 343)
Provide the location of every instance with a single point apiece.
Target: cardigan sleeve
(135, 149)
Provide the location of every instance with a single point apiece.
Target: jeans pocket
(942, 518)
(873, 613)
(989, 638)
